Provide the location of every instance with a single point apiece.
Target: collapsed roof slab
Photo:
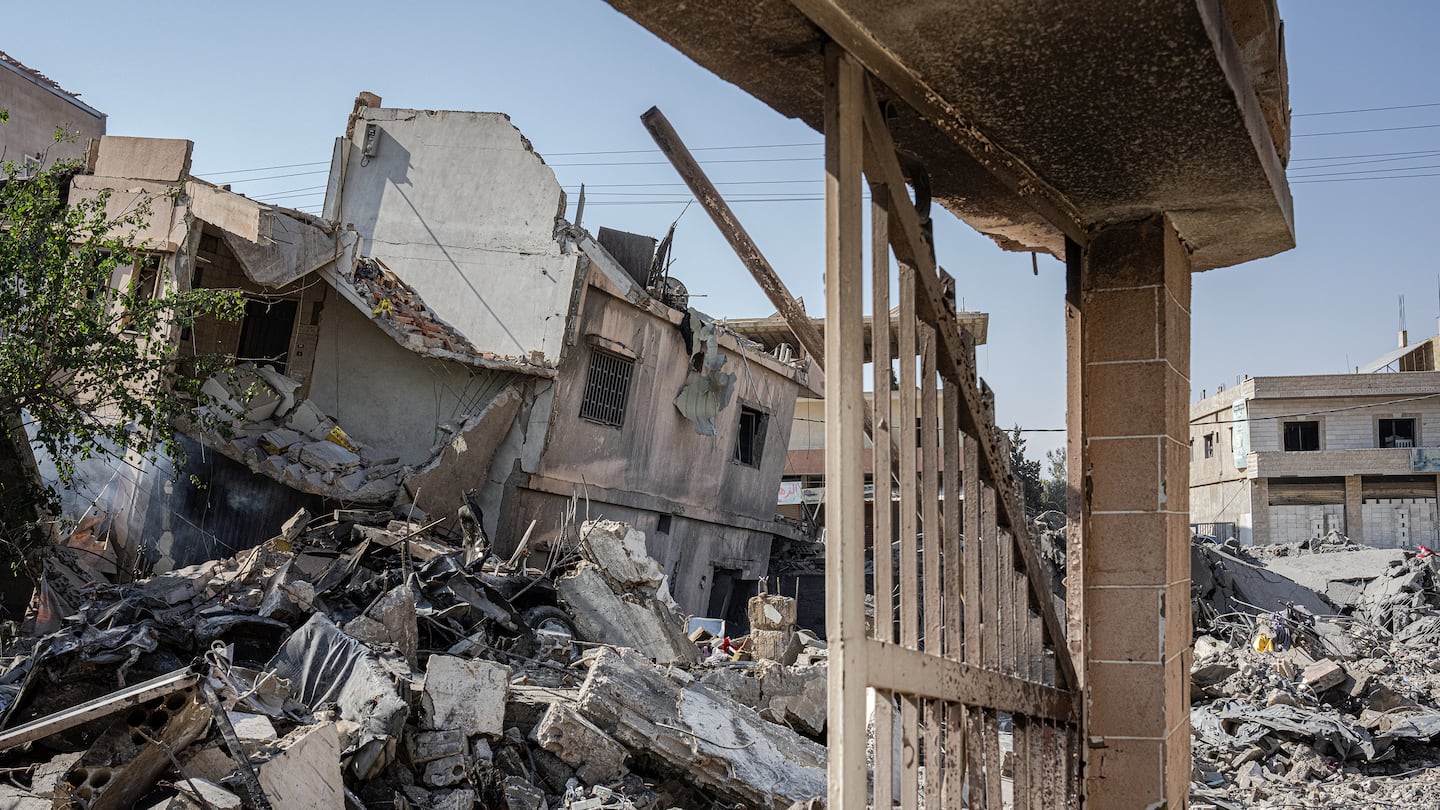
(1042, 118)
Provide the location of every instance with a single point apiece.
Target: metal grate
(606, 388)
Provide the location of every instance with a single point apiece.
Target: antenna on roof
(1404, 338)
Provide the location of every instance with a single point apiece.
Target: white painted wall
(460, 207)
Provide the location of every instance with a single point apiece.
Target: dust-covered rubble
(369, 659)
(1324, 694)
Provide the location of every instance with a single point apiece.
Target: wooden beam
(97, 708)
(1004, 166)
(724, 218)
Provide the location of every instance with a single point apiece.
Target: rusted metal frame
(934, 540)
(956, 363)
(911, 672)
(882, 357)
(844, 426)
(994, 760)
(952, 582)
(973, 602)
(906, 350)
(1009, 170)
(1005, 585)
(883, 714)
(954, 777)
(991, 651)
(1019, 762)
(883, 563)
(975, 754)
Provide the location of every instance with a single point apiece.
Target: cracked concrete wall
(657, 450)
(387, 396)
(459, 206)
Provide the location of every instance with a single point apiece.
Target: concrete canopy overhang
(1038, 119)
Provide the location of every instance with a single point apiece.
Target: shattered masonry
(437, 332)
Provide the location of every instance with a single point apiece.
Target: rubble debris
(1316, 677)
(717, 743)
(365, 658)
(618, 595)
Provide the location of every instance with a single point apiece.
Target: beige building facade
(1285, 459)
(38, 109)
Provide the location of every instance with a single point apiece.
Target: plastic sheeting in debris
(325, 667)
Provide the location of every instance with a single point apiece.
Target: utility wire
(1364, 131)
(1365, 110)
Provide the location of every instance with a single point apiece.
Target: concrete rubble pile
(1316, 676)
(255, 418)
(368, 659)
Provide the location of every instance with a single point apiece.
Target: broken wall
(387, 396)
(689, 549)
(459, 206)
(656, 450)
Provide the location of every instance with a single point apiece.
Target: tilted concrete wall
(657, 451)
(387, 396)
(459, 206)
(36, 111)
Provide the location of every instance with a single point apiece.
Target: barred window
(606, 388)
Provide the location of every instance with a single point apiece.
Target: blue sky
(268, 84)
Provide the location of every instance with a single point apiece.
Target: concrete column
(1260, 511)
(1354, 510)
(1134, 389)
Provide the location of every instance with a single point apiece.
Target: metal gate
(975, 641)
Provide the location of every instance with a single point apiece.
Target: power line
(1372, 154)
(269, 168)
(269, 177)
(1363, 131)
(1370, 171)
(693, 149)
(1418, 156)
(702, 162)
(1354, 179)
(1365, 110)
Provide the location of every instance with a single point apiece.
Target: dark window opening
(662, 525)
(606, 388)
(144, 279)
(1301, 436)
(1209, 445)
(730, 598)
(750, 440)
(265, 333)
(1397, 432)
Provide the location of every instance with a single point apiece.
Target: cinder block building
(39, 108)
(1285, 459)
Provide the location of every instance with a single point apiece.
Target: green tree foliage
(1027, 474)
(88, 366)
(1055, 481)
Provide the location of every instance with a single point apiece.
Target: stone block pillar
(1354, 510)
(1260, 511)
(1132, 333)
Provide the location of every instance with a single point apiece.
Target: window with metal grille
(606, 388)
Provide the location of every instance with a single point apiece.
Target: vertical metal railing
(972, 646)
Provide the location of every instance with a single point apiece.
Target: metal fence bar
(844, 432)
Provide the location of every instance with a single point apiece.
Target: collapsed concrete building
(443, 330)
